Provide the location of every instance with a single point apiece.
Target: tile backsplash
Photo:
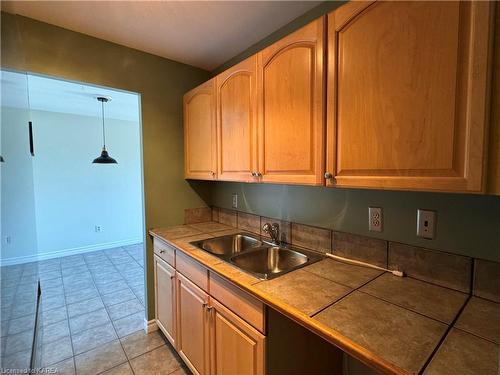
(197, 215)
(314, 238)
(365, 249)
(449, 270)
(487, 280)
(462, 273)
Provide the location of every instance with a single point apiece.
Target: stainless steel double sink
(257, 257)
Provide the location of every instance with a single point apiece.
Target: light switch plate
(235, 200)
(426, 223)
(375, 219)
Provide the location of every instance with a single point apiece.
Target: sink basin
(228, 245)
(272, 261)
(259, 258)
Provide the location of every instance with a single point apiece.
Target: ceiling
(199, 33)
(36, 92)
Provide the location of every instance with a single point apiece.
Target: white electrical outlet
(98, 228)
(426, 223)
(235, 200)
(375, 219)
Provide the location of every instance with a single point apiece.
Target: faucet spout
(273, 230)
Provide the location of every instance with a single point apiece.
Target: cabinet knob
(254, 174)
(328, 175)
(212, 173)
(258, 174)
(162, 251)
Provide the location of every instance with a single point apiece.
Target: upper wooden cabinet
(200, 146)
(237, 122)
(408, 95)
(291, 95)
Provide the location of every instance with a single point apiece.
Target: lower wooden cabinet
(192, 325)
(210, 338)
(165, 298)
(237, 347)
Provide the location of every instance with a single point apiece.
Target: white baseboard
(62, 253)
(150, 326)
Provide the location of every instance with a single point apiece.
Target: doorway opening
(70, 225)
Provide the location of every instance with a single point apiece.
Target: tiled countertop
(395, 325)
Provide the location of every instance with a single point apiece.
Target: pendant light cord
(103, 132)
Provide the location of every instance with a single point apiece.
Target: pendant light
(104, 158)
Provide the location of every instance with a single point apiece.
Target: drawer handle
(162, 251)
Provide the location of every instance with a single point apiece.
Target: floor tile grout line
(107, 313)
(67, 318)
(100, 297)
(144, 286)
(65, 304)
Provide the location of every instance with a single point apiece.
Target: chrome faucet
(274, 232)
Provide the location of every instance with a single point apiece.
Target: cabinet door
(200, 148)
(192, 326)
(165, 298)
(408, 94)
(291, 94)
(237, 122)
(237, 347)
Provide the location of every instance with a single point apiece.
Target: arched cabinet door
(291, 95)
(200, 145)
(237, 122)
(408, 94)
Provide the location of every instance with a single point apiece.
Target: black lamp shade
(104, 158)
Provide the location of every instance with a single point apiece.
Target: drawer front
(243, 304)
(193, 270)
(164, 251)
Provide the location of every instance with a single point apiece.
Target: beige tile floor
(92, 315)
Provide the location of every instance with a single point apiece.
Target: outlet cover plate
(235, 200)
(375, 219)
(426, 223)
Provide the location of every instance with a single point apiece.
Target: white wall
(17, 195)
(72, 195)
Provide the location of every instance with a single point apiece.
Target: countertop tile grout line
(406, 308)
(479, 337)
(445, 334)
(343, 297)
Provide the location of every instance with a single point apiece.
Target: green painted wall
(29, 45)
(467, 224)
(297, 23)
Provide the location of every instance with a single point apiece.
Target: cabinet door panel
(237, 347)
(237, 122)
(291, 132)
(165, 298)
(200, 146)
(407, 95)
(192, 338)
